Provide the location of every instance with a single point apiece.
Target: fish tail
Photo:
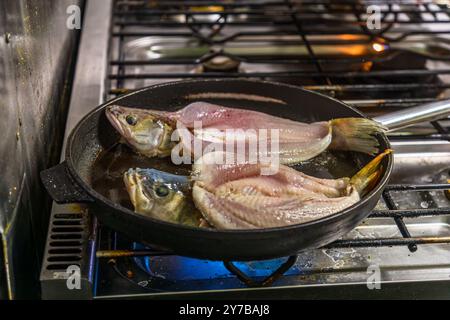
(356, 134)
(366, 178)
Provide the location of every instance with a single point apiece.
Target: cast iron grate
(305, 24)
(374, 80)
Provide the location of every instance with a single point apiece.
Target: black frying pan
(69, 182)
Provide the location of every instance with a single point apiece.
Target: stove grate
(305, 20)
(291, 23)
(376, 79)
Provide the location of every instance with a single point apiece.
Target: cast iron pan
(69, 182)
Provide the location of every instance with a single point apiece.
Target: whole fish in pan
(241, 197)
(149, 132)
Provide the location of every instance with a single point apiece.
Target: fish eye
(131, 120)
(162, 191)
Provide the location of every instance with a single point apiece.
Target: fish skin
(297, 141)
(231, 197)
(176, 206)
(226, 178)
(259, 211)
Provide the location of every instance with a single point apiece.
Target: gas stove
(323, 46)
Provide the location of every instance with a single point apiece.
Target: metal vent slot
(69, 216)
(65, 243)
(65, 236)
(65, 251)
(67, 223)
(67, 229)
(64, 259)
(61, 266)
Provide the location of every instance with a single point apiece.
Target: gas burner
(162, 272)
(220, 63)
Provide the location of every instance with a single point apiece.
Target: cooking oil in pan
(330, 165)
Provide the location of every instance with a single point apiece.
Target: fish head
(143, 130)
(157, 194)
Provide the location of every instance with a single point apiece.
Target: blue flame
(177, 268)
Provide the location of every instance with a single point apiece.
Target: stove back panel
(36, 57)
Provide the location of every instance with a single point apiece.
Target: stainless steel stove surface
(319, 45)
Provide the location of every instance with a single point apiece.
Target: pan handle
(61, 186)
(404, 118)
